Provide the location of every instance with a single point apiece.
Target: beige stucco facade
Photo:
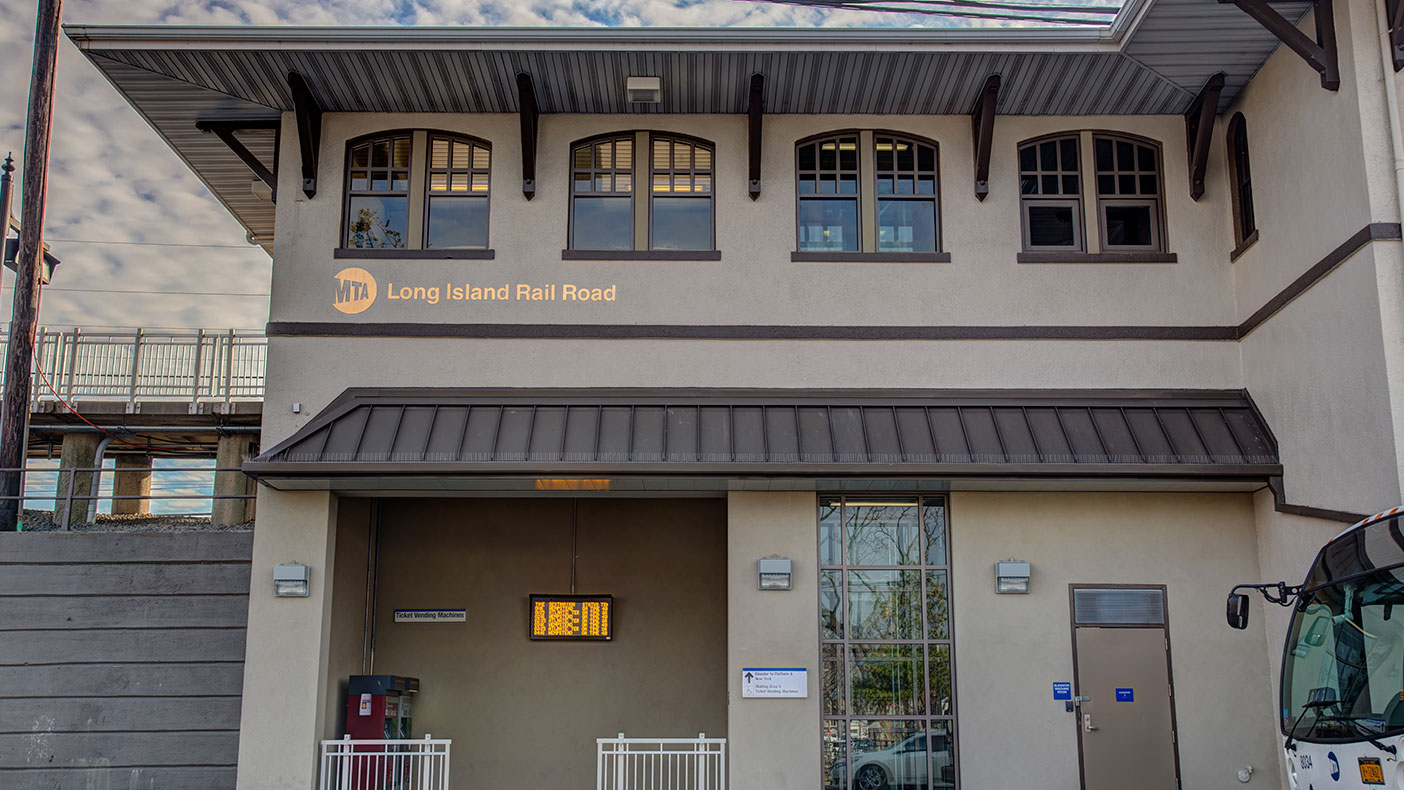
(1324, 367)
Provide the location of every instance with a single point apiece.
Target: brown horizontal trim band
(1280, 504)
(417, 255)
(744, 332)
(1243, 246)
(870, 257)
(1376, 231)
(1097, 257)
(640, 255)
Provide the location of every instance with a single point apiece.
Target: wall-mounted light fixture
(644, 90)
(773, 573)
(292, 580)
(1012, 577)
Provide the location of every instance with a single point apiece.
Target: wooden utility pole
(24, 317)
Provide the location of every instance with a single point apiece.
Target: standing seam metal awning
(451, 432)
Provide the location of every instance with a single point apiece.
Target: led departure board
(572, 617)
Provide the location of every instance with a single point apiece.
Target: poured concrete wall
(121, 659)
(524, 713)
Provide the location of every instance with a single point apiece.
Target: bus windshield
(1343, 671)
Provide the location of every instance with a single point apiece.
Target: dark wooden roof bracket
(530, 118)
(1319, 54)
(982, 127)
(755, 109)
(1199, 130)
(1394, 10)
(309, 130)
(225, 130)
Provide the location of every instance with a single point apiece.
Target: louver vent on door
(1118, 606)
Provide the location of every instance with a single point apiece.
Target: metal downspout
(91, 509)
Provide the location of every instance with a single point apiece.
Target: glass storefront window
(885, 627)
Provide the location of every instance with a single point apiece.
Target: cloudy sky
(143, 243)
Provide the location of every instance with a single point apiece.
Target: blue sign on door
(1062, 691)
(1125, 695)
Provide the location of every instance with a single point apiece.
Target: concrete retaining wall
(121, 659)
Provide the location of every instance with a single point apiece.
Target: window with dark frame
(828, 175)
(378, 193)
(602, 192)
(1128, 193)
(681, 195)
(1050, 194)
(1241, 176)
(905, 178)
(456, 210)
(886, 675)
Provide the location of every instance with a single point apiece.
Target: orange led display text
(572, 617)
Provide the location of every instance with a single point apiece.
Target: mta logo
(353, 290)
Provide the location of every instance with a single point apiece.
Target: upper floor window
(399, 197)
(673, 212)
(867, 192)
(1128, 193)
(377, 193)
(1050, 187)
(457, 210)
(1241, 179)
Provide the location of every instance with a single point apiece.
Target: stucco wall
(1011, 649)
(524, 713)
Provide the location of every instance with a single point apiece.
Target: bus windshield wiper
(1360, 729)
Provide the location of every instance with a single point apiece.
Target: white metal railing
(660, 763)
(204, 365)
(385, 765)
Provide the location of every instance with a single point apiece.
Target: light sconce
(292, 580)
(644, 90)
(773, 573)
(1012, 577)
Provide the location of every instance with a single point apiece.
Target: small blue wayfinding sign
(1062, 691)
(1125, 695)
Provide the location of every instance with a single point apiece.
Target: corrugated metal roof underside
(768, 432)
(1168, 57)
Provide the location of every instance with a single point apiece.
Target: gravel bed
(43, 521)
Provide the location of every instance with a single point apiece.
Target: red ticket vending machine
(379, 708)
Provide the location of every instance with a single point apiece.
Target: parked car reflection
(901, 766)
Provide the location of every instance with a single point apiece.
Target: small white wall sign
(772, 682)
(431, 615)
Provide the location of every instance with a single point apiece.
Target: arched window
(415, 191)
(1050, 193)
(378, 192)
(1128, 193)
(1241, 179)
(867, 192)
(456, 210)
(674, 210)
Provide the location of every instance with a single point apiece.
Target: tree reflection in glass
(377, 222)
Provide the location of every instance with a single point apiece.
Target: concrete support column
(289, 639)
(79, 452)
(232, 452)
(773, 742)
(132, 478)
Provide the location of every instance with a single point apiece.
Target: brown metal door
(1126, 726)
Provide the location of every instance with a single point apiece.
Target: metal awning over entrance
(378, 437)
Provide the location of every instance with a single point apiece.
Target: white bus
(1342, 686)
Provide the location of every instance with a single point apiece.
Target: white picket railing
(385, 765)
(204, 365)
(660, 763)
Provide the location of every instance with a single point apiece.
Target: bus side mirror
(1238, 611)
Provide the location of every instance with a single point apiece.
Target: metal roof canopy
(1152, 59)
(720, 434)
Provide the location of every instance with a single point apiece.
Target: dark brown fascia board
(289, 469)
